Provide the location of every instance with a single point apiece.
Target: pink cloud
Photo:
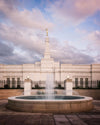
(74, 10)
(27, 39)
(28, 43)
(26, 18)
(94, 37)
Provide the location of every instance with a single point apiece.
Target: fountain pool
(59, 104)
(49, 103)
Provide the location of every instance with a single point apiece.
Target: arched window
(86, 82)
(81, 82)
(98, 83)
(8, 82)
(76, 82)
(13, 82)
(18, 82)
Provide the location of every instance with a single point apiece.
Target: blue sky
(74, 30)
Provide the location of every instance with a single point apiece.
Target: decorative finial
(46, 32)
(27, 77)
(68, 77)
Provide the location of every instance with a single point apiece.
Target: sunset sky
(74, 30)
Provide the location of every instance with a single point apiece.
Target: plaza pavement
(8, 117)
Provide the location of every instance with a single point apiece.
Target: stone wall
(95, 93)
(5, 93)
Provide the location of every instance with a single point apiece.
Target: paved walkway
(8, 117)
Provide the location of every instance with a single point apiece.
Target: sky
(73, 26)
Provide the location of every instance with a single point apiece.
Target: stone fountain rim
(86, 98)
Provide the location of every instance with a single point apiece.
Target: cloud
(27, 39)
(28, 47)
(5, 50)
(9, 54)
(94, 44)
(25, 18)
(75, 11)
(22, 46)
(67, 53)
(96, 18)
(94, 38)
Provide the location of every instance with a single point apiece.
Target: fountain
(50, 103)
(49, 92)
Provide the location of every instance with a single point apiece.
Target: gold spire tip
(46, 32)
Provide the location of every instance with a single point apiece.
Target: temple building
(83, 76)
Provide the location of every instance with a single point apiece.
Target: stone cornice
(49, 72)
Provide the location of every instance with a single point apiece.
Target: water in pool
(54, 98)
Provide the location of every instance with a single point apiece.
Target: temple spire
(46, 32)
(47, 48)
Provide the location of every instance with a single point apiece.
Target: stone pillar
(27, 86)
(84, 83)
(79, 83)
(15, 82)
(10, 83)
(89, 83)
(3, 83)
(93, 83)
(21, 83)
(68, 86)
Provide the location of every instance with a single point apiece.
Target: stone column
(93, 83)
(10, 82)
(15, 82)
(89, 83)
(3, 83)
(73, 83)
(68, 86)
(21, 83)
(79, 83)
(83, 82)
(27, 86)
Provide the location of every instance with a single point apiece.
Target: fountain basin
(61, 104)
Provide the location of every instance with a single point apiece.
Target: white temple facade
(83, 76)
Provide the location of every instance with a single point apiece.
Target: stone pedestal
(27, 86)
(68, 86)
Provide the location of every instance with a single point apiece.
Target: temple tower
(47, 61)
(47, 46)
